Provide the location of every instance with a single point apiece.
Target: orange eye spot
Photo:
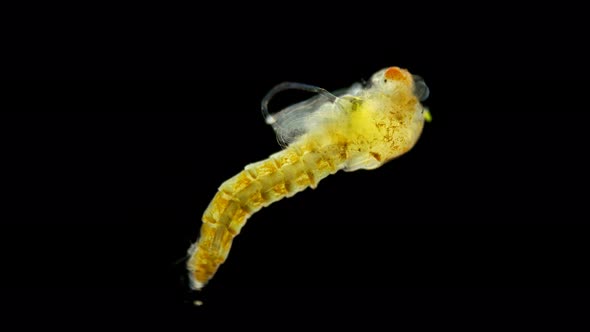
(394, 73)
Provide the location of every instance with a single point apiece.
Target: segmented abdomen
(260, 184)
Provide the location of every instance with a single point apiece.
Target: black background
(106, 180)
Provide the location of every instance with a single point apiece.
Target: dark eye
(420, 88)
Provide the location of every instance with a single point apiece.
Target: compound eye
(420, 88)
(394, 73)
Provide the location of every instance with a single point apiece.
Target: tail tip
(195, 284)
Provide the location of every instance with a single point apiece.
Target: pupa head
(391, 119)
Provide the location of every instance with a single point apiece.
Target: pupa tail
(260, 184)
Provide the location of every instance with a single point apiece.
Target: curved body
(362, 129)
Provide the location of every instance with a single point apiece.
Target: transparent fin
(353, 90)
(420, 88)
(291, 122)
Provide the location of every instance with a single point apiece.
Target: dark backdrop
(106, 180)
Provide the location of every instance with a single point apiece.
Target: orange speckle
(243, 180)
(394, 73)
(376, 155)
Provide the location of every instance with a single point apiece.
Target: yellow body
(360, 131)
